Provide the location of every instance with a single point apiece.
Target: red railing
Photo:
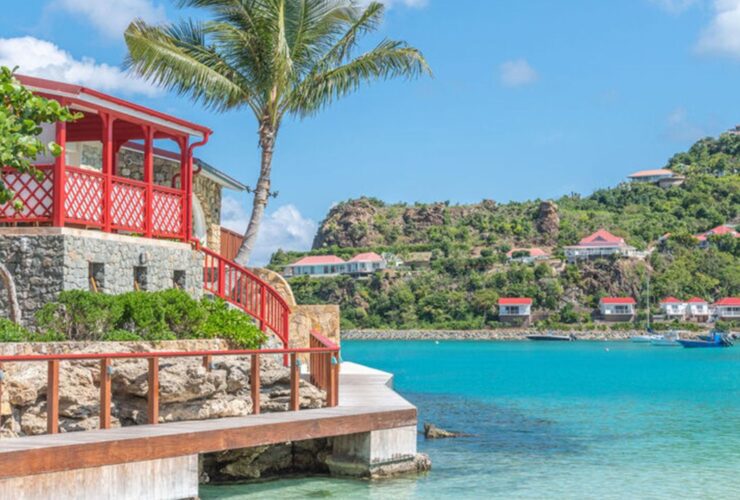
(131, 206)
(324, 368)
(321, 357)
(241, 287)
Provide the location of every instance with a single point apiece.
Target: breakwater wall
(507, 334)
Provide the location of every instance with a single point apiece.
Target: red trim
(618, 300)
(670, 300)
(515, 301)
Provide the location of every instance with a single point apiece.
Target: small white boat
(645, 339)
(670, 339)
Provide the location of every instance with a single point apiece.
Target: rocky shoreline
(503, 334)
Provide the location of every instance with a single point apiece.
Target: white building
(602, 243)
(316, 265)
(365, 263)
(515, 309)
(673, 308)
(727, 309)
(617, 308)
(697, 309)
(661, 176)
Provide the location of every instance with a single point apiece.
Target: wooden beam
(330, 382)
(295, 383)
(207, 362)
(254, 383)
(153, 394)
(140, 443)
(105, 393)
(52, 397)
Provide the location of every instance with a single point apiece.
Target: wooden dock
(366, 403)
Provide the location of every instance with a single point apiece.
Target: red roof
(366, 257)
(618, 300)
(696, 300)
(670, 300)
(514, 301)
(318, 260)
(651, 173)
(728, 301)
(718, 231)
(602, 237)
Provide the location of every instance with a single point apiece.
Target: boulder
(431, 431)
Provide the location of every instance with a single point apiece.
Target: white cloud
(675, 6)
(40, 58)
(284, 228)
(722, 36)
(680, 128)
(517, 73)
(112, 17)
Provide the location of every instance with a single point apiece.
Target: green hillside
(468, 270)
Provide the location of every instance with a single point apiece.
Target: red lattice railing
(128, 205)
(167, 212)
(35, 194)
(246, 290)
(84, 197)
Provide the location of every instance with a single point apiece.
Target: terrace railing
(90, 201)
(323, 371)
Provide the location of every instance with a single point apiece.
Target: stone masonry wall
(46, 261)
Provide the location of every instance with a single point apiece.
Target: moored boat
(670, 339)
(552, 337)
(716, 339)
(645, 339)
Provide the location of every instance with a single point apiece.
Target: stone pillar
(380, 453)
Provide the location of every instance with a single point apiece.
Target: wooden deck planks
(366, 403)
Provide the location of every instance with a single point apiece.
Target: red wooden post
(187, 190)
(207, 362)
(60, 179)
(52, 397)
(254, 383)
(335, 381)
(105, 393)
(286, 333)
(221, 279)
(295, 381)
(107, 171)
(263, 307)
(329, 380)
(149, 179)
(153, 394)
(2, 378)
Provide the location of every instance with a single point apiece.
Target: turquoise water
(554, 420)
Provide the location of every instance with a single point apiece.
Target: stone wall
(46, 261)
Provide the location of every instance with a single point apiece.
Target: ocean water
(553, 420)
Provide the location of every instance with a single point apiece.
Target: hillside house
(602, 243)
(617, 308)
(697, 309)
(661, 177)
(673, 308)
(723, 230)
(516, 310)
(526, 255)
(727, 309)
(317, 266)
(364, 264)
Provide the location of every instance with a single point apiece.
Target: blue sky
(530, 99)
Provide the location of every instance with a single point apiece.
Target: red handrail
(239, 286)
(322, 363)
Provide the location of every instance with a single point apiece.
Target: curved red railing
(239, 286)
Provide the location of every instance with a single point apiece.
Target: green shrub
(121, 336)
(80, 315)
(10, 332)
(227, 323)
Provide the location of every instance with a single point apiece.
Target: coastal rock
(548, 222)
(431, 431)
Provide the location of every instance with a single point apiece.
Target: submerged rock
(431, 431)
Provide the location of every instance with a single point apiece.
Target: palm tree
(275, 57)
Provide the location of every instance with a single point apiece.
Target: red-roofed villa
(722, 230)
(331, 265)
(602, 243)
(617, 308)
(365, 263)
(727, 308)
(515, 310)
(673, 308)
(697, 309)
(660, 176)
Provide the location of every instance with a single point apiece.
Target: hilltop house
(316, 265)
(697, 309)
(602, 243)
(673, 308)
(526, 255)
(364, 264)
(717, 231)
(617, 308)
(515, 310)
(727, 308)
(661, 176)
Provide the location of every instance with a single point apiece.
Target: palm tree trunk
(13, 307)
(261, 194)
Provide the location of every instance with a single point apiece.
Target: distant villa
(698, 309)
(602, 243)
(661, 176)
(330, 265)
(717, 231)
(526, 255)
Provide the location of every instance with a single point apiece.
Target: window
(179, 279)
(622, 310)
(140, 282)
(95, 276)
